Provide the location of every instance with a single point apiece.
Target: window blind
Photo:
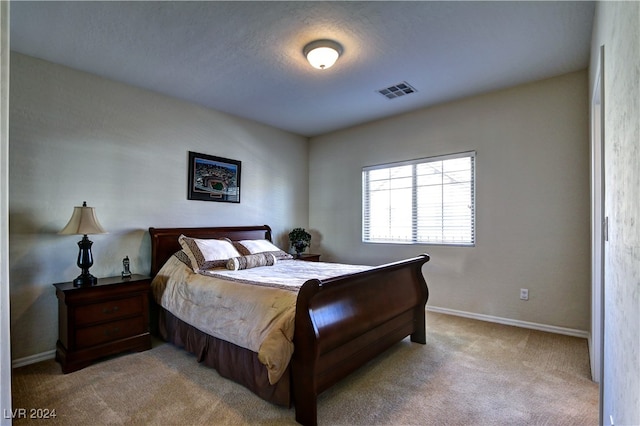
(428, 200)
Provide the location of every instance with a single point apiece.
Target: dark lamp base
(85, 280)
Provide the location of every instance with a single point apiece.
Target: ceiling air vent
(397, 90)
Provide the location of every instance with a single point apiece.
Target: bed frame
(340, 323)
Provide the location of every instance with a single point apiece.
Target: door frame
(598, 227)
(5, 318)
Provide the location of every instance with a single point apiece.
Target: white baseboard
(32, 359)
(516, 323)
(43, 356)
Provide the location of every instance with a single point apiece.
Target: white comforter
(252, 308)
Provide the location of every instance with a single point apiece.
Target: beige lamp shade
(83, 222)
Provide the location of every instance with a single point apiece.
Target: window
(427, 201)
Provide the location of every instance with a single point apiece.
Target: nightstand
(107, 318)
(309, 257)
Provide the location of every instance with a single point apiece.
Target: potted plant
(300, 240)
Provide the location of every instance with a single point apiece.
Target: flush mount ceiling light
(322, 54)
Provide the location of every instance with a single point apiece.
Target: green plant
(300, 239)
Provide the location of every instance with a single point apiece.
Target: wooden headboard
(164, 241)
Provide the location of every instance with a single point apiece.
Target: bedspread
(252, 308)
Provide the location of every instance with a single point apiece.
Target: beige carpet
(469, 373)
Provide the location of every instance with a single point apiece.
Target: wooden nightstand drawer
(107, 311)
(104, 319)
(103, 333)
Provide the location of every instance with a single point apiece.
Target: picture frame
(213, 178)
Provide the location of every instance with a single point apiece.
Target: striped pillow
(251, 261)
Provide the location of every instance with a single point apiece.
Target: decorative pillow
(251, 261)
(207, 254)
(246, 247)
(182, 257)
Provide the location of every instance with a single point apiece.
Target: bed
(339, 323)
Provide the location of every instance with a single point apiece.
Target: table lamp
(84, 222)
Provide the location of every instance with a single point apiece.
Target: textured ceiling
(245, 58)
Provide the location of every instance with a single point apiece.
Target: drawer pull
(109, 332)
(109, 311)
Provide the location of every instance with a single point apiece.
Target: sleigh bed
(339, 323)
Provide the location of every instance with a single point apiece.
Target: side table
(309, 257)
(100, 320)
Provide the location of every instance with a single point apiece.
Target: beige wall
(532, 204)
(76, 137)
(617, 27)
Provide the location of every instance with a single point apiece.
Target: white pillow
(207, 254)
(258, 246)
(247, 247)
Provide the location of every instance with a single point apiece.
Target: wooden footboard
(344, 322)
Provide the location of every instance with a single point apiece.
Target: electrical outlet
(524, 294)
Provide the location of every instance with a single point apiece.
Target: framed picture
(213, 178)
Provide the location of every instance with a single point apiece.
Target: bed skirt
(231, 361)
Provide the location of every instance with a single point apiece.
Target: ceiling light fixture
(322, 54)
